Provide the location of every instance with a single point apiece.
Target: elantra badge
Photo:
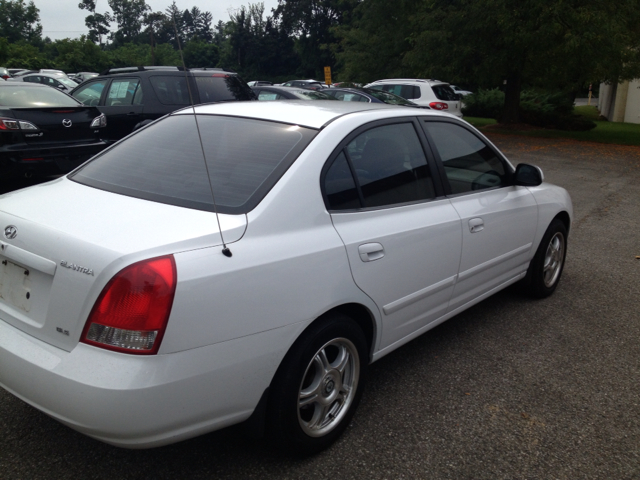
(10, 232)
(77, 268)
(66, 122)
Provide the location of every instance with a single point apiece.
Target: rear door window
(382, 166)
(170, 90)
(122, 92)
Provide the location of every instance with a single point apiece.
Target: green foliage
(20, 21)
(80, 55)
(130, 54)
(538, 108)
(23, 55)
(484, 103)
(198, 53)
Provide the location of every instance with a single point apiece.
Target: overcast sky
(63, 18)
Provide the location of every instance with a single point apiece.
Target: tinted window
(468, 162)
(24, 96)
(223, 88)
(389, 165)
(268, 96)
(348, 96)
(164, 162)
(444, 92)
(90, 93)
(405, 91)
(121, 92)
(339, 186)
(171, 90)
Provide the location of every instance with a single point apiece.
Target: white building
(620, 102)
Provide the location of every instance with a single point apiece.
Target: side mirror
(528, 175)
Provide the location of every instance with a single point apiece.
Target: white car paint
(234, 319)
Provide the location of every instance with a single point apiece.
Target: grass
(605, 132)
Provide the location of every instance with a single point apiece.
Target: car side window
(389, 166)
(170, 90)
(90, 94)
(469, 163)
(405, 91)
(268, 96)
(121, 92)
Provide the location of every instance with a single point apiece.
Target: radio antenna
(225, 250)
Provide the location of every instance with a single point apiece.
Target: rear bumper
(48, 158)
(141, 401)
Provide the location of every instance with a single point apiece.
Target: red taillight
(439, 106)
(131, 313)
(220, 75)
(6, 77)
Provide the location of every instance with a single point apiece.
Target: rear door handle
(370, 252)
(476, 225)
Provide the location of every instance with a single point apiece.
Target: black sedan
(43, 130)
(368, 95)
(289, 93)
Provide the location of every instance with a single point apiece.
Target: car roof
(23, 85)
(295, 112)
(410, 80)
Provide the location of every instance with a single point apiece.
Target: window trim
(431, 164)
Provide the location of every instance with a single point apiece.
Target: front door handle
(370, 252)
(476, 225)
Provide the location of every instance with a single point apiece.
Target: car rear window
(444, 92)
(24, 96)
(164, 162)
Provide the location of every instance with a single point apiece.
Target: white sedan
(249, 261)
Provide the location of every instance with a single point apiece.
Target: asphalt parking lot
(511, 389)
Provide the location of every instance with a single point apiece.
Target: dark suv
(135, 96)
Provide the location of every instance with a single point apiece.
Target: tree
(313, 23)
(20, 21)
(129, 15)
(97, 23)
(559, 43)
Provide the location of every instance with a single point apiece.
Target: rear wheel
(547, 264)
(318, 386)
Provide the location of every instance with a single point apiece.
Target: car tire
(546, 267)
(318, 386)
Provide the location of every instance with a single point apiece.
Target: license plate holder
(15, 285)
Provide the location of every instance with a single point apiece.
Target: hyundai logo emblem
(66, 122)
(10, 232)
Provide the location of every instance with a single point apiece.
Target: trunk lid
(63, 241)
(59, 124)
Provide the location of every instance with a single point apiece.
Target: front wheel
(318, 386)
(547, 264)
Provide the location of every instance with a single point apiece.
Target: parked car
(44, 131)
(460, 91)
(17, 72)
(55, 80)
(432, 93)
(139, 311)
(84, 76)
(133, 97)
(369, 95)
(256, 83)
(289, 93)
(311, 84)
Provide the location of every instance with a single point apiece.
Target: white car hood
(72, 239)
